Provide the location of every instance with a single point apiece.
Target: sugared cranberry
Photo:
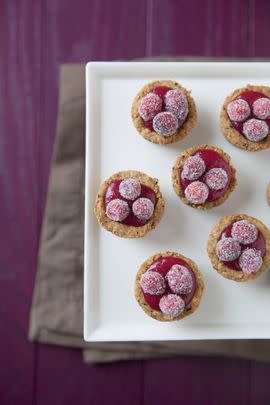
(117, 210)
(171, 305)
(179, 279)
(165, 123)
(149, 106)
(228, 249)
(143, 208)
(176, 102)
(238, 110)
(250, 261)
(197, 192)
(216, 178)
(193, 168)
(153, 283)
(261, 108)
(244, 232)
(255, 130)
(130, 188)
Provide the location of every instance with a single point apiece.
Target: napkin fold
(56, 314)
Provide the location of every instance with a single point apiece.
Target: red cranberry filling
(212, 159)
(162, 266)
(161, 92)
(113, 193)
(250, 97)
(259, 245)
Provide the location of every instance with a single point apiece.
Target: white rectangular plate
(228, 310)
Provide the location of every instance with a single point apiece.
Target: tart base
(158, 315)
(152, 136)
(231, 134)
(122, 230)
(219, 266)
(179, 164)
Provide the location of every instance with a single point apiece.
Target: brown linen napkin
(56, 314)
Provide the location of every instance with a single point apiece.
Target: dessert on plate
(129, 204)
(203, 176)
(245, 118)
(164, 112)
(169, 286)
(239, 247)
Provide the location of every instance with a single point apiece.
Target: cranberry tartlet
(164, 112)
(129, 204)
(245, 118)
(203, 176)
(169, 286)
(239, 247)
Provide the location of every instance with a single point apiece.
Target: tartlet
(203, 176)
(169, 286)
(129, 204)
(239, 247)
(245, 118)
(164, 112)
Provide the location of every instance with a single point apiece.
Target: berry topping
(193, 168)
(216, 178)
(261, 108)
(176, 102)
(149, 106)
(171, 305)
(179, 279)
(250, 261)
(153, 283)
(238, 110)
(143, 208)
(130, 189)
(117, 210)
(197, 192)
(255, 130)
(228, 249)
(165, 123)
(244, 232)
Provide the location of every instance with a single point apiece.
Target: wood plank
(259, 28)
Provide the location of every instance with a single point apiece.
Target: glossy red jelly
(160, 91)
(212, 159)
(249, 96)
(162, 266)
(259, 244)
(112, 192)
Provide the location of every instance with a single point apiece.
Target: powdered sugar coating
(238, 110)
(193, 168)
(143, 208)
(261, 108)
(244, 232)
(176, 102)
(255, 130)
(130, 188)
(228, 249)
(153, 283)
(179, 279)
(216, 178)
(165, 123)
(250, 261)
(197, 192)
(149, 106)
(117, 210)
(172, 305)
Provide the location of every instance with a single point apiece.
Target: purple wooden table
(36, 36)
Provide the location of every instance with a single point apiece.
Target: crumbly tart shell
(231, 134)
(122, 230)
(219, 266)
(178, 165)
(158, 315)
(152, 136)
